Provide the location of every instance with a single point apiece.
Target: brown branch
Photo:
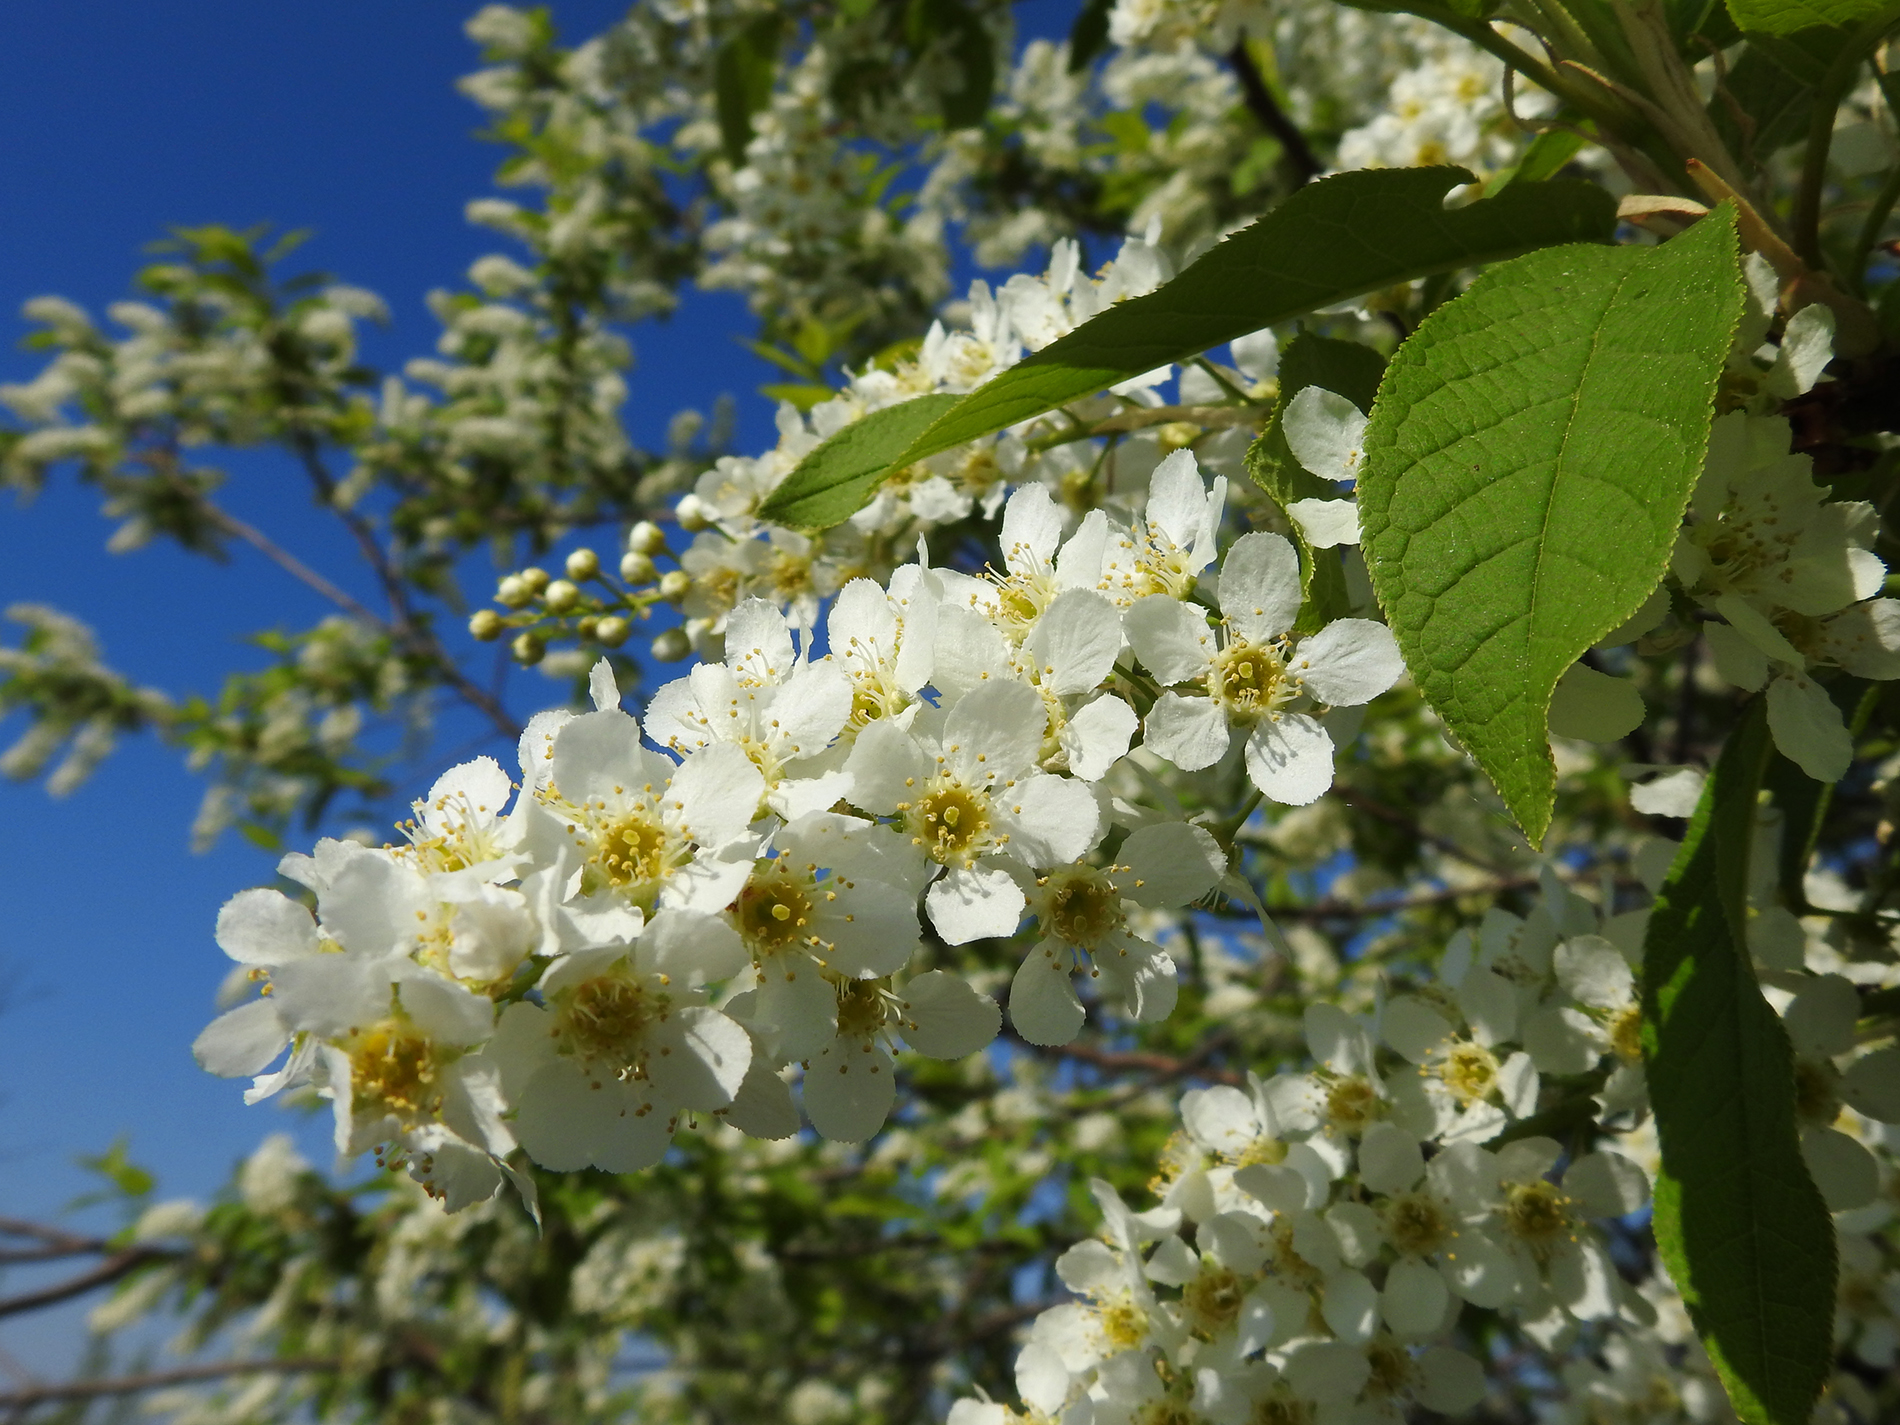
(1264, 107)
(70, 1242)
(1352, 910)
(31, 1396)
(110, 1270)
(288, 562)
(406, 628)
(1372, 807)
(1162, 1066)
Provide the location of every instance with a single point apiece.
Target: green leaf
(1331, 240)
(1088, 36)
(1785, 17)
(1347, 369)
(1527, 465)
(801, 394)
(1740, 1224)
(1774, 84)
(838, 478)
(967, 42)
(742, 81)
(1545, 156)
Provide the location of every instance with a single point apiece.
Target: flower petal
(1260, 586)
(1291, 759)
(945, 1019)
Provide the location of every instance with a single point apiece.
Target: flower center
(1166, 1411)
(1626, 1034)
(1085, 907)
(1816, 1096)
(774, 908)
(950, 822)
(1281, 1407)
(1124, 1325)
(1392, 1368)
(602, 1020)
(1416, 1223)
(631, 850)
(393, 1071)
(862, 1009)
(1470, 1072)
(1261, 1150)
(1352, 1103)
(1213, 1300)
(1251, 681)
(1537, 1213)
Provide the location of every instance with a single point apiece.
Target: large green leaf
(1773, 84)
(839, 476)
(1785, 17)
(1527, 466)
(1740, 1224)
(1347, 369)
(1331, 240)
(742, 81)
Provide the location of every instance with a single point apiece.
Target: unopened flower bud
(561, 596)
(646, 538)
(636, 569)
(582, 564)
(588, 627)
(513, 591)
(672, 646)
(612, 630)
(486, 625)
(535, 579)
(675, 584)
(528, 648)
(692, 514)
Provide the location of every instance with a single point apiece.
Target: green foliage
(1787, 17)
(1739, 1222)
(1352, 233)
(743, 72)
(1347, 369)
(839, 477)
(1565, 395)
(1088, 36)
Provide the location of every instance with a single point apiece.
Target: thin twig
(157, 1380)
(51, 1235)
(288, 562)
(1359, 801)
(118, 1265)
(1264, 107)
(407, 629)
(1162, 1066)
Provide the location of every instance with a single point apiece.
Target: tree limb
(31, 1396)
(1264, 107)
(118, 1265)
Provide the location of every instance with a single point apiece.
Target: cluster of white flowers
(1319, 1236)
(736, 556)
(1448, 107)
(638, 938)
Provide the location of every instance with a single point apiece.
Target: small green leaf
(1739, 1222)
(1785, 17)
(1331, 240)
(967, 43)
(1346, 369)
(1527, 465)
(742, 81)
(838, 478)
(1773, 84)
(1088, 36)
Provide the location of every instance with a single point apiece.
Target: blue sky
(118, 121)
